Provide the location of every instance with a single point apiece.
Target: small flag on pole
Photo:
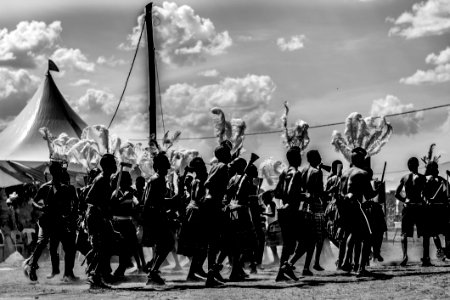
(52, 66)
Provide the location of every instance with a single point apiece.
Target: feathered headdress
(233, 131)
(370, 133)
(296, 135)
(430, 157)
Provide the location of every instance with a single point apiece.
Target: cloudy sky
(327, 58)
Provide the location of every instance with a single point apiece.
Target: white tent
(21, 140)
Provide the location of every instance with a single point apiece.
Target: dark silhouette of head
(432, 169)
(313, 157)
(335, 165)
(108, 164)
(294, 157)
(56, 170)
(223, 154)
(93, 174)
(198, 166)
(413, 164)
(140, 183)
(358, 157)
(125, 180)
(161, 163)
(252, 171)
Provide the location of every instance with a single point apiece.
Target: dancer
(311, 215)
(413, 210)
(355, 185)
(157, 230)
(435, 194)
(333, 214)
(192, 242)
(122, 204)
(99, 225)
(57, 222)
(242, 231)
(216, 186)
(289, 190)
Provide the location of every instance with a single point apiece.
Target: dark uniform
(102, 236)
(57, 223)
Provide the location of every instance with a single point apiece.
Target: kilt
(157, 230)
(375, 214)
(414, 214)
(319, 226)
(191, 238)
(357, 221)
(437, 219)
(241, 227)
(273, 235)
(334, 222)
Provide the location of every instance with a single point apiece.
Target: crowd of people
(224, 213)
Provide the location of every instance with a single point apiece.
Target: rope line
(128, 76)
(313, 126)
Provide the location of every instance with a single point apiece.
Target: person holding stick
(355, 186)
(435, 194)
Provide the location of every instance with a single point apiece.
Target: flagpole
(151, 72)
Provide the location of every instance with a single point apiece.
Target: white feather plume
(371, 134)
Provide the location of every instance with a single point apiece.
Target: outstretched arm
(398, 192)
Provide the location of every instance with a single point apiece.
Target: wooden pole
(151, 72)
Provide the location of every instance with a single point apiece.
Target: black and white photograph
(239, 149)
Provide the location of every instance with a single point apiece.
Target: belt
(122, 218)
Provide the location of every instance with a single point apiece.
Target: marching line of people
(224, 213)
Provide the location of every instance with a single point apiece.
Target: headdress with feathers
(370, 133)
(430, 157)
(296, 135)
(233, 131)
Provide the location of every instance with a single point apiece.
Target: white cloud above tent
(25, 44)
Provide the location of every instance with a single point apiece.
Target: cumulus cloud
(16, 88)
(72, 59)
(181, 36)
(81, 82)
(427, 18)
(16, 83)
(440, 73)
(131, 117)
(295, 42)
(209, 73)
(27, 43)
(407, 124)
(110, 62)
(187, 106)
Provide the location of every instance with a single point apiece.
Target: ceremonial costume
(57, 223)
(102, 236)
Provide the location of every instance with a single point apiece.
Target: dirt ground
(389, 281)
